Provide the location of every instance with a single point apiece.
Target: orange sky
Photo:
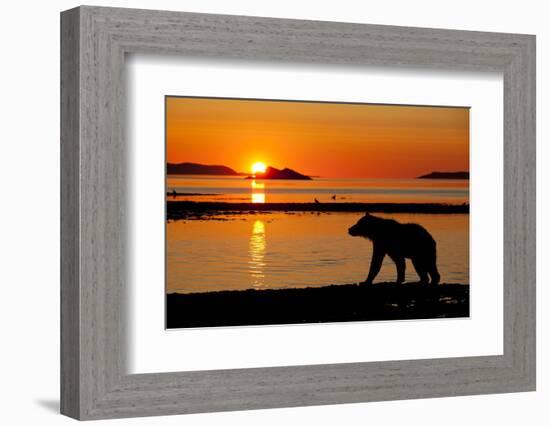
(324, 139)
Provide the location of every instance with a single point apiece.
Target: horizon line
(309, 175)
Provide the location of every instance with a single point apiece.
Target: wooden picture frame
(94, 381)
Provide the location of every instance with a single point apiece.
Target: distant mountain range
(274, 173)
(198, 169)
(446, 175)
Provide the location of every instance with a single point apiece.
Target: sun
(258, 167)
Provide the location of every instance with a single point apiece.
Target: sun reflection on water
(258, 193)
(258, 198)
(257, 254)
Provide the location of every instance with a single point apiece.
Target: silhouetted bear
(399, 241)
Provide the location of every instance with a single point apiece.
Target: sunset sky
(323, 139)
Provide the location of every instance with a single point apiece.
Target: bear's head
(364, 227)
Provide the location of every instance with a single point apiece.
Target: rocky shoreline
(333, 303)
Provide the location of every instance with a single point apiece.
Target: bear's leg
(421, 270)
(400, 265)
(434, 274)
(375, 264)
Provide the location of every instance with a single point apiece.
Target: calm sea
(280, 250)
(239, 189)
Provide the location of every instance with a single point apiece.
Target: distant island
(446, 175)
(198, 169)
(274, 173)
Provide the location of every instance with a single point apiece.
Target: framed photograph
(262, 213)
(248, 243)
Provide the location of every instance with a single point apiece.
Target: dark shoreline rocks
(334, 303)
(176, 210)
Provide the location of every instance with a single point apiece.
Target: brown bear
(398, 241)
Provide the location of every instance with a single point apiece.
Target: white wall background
(29, 212)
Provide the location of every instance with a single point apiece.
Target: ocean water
(239, 189)
(281, 250)
(299, 249)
